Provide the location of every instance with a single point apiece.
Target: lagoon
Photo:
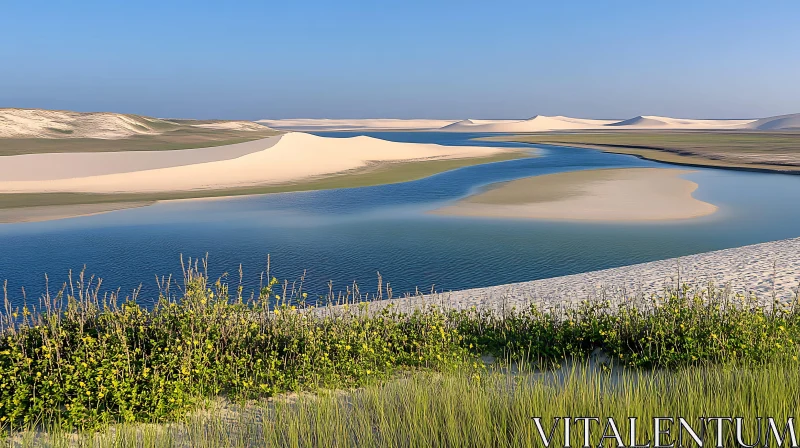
(349, 235)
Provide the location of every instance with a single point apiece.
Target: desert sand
(778, 123)
(626, 194)
(63, 124)
(281, 159)
(538, 123)
(232, 126)
(541, 123)
(377, 124)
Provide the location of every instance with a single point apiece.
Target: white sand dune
(641, 121)
(40, 123)
(313, 124)
(56, 124)
(653, 121)
(233, 125)
(780, 122)
(539, 123)
(275, 160)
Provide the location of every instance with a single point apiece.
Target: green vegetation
(771, 151)
(82, 361)
(489, 409)
(376, 174)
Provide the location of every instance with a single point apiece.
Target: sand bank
(628, 194)
(53, 212)
(283, 159)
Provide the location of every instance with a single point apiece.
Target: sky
(406, 59)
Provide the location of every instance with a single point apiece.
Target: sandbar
(53, 212)
(624, 194)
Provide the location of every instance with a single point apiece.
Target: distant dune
(378, 124)
(781, 122)
(232, 126)
(539, 123)
(652, 121)
(41, 123)
(57, 124)
(275, 160)
(641, 121)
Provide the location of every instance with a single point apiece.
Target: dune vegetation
(80, 361)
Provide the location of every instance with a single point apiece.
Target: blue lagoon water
(349, 235)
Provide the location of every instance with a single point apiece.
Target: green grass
(487, 409)
(377, 174)
(772, 151)
(81, 362)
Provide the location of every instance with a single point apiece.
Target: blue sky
(421, 59)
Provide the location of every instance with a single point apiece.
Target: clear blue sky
(437, 59)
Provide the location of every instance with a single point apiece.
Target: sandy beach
(628, 194)
(275, 160)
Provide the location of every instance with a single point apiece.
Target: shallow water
(351, 234)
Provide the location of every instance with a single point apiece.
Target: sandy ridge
(275, 160)
(538, 123)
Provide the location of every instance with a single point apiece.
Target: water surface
(349, 235)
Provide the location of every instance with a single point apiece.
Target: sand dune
(313, 124)
(627, 194)
(58, 124)
(232, 125)
(539, 123)
(780, 122)
(641, 121)
(652, 121)
(39, 123)
(275, 160)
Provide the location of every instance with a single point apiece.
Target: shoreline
(765, 270)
